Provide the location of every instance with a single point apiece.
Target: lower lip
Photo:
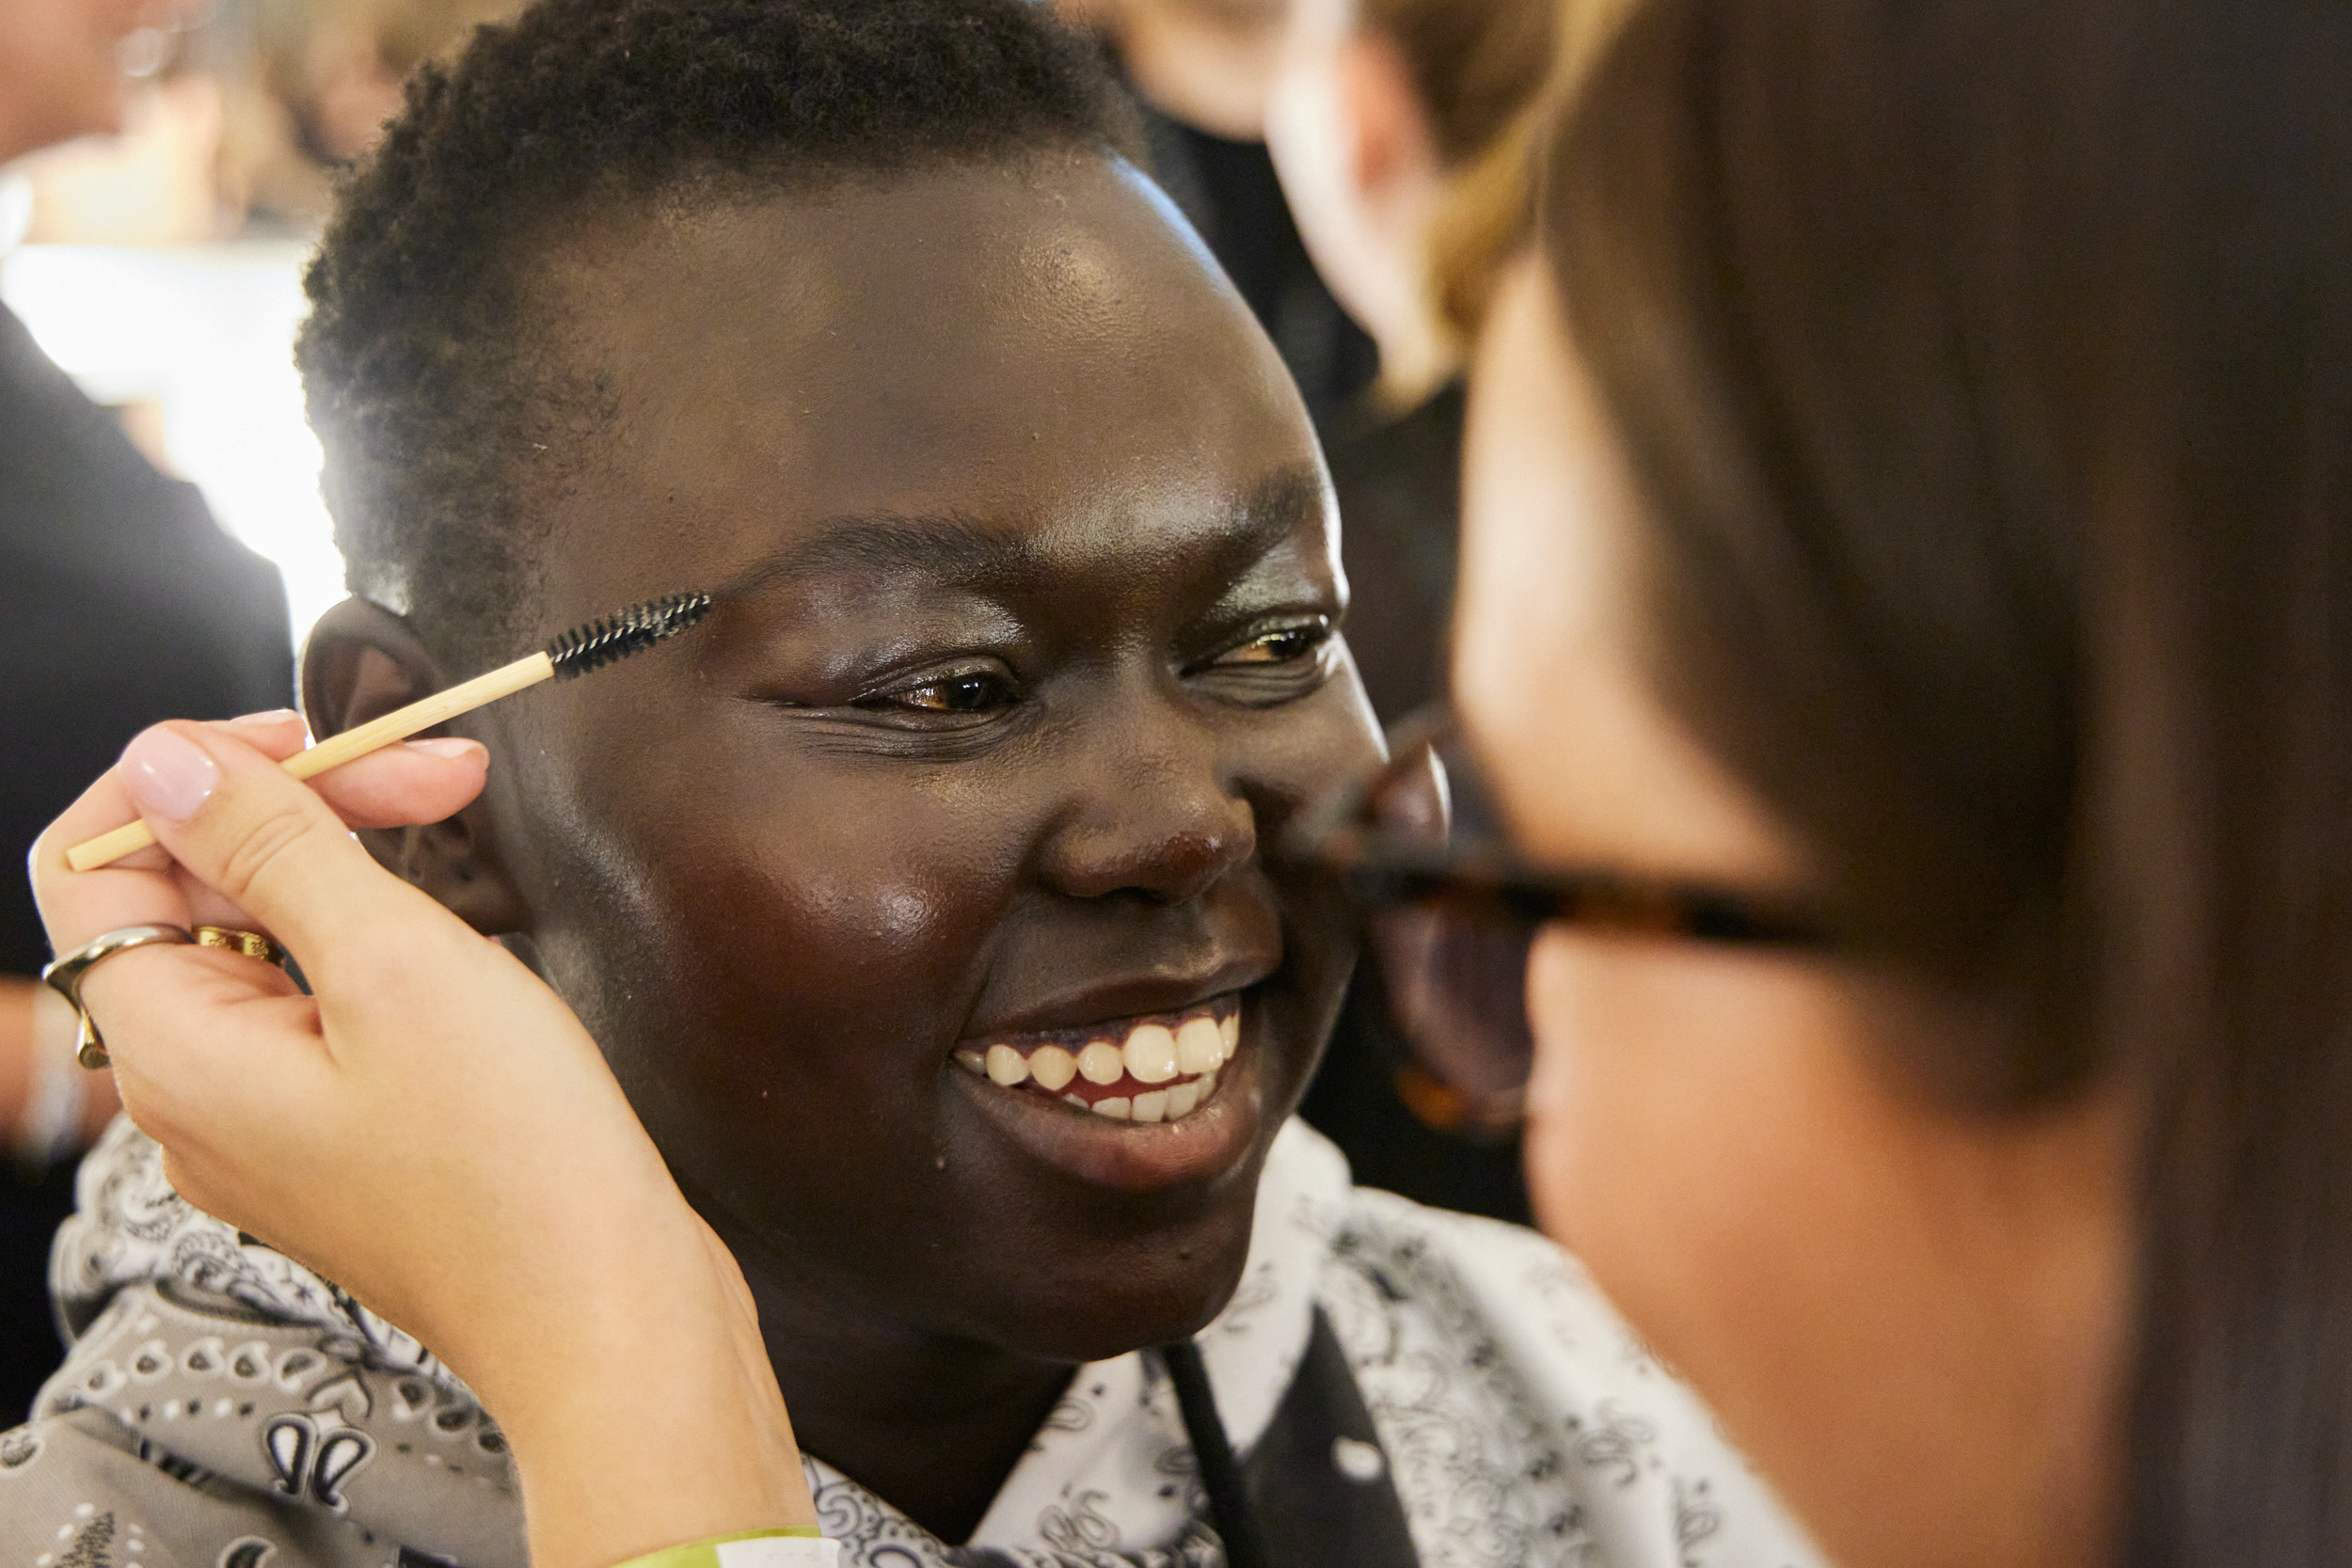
(1130, 1156)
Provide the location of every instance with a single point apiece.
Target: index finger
(139, 888)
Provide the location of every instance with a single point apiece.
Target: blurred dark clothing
(1229, 191)
(1354, 1102)
(124, 605)
(1399, 482)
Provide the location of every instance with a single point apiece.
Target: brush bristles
(624, 633)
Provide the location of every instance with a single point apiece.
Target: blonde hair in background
(1487, 214)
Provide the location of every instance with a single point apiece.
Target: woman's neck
(1416, 358)
(930, 1424)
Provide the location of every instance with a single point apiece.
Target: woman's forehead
(1015, 349)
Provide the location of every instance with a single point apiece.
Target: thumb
(235, 823)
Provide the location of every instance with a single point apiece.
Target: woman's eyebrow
(944, 545)
(964, 548)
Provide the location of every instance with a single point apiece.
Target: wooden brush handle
(350, 746)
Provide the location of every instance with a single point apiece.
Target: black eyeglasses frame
(1382, 868)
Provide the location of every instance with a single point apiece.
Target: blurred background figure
(1397, 128)
(1201, 71)
(329, 74)
(1400, 130)
(124, 604)
(162, 164)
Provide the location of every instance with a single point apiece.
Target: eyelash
(904, 698)
(964, 693)
(1310, 638)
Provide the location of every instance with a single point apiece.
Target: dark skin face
(1024, 657)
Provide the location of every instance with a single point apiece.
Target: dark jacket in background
(1398, 483)
(1399, 480)
(1229, 191)
(123, 605)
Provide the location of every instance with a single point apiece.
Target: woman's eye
(1283, 646)
(976, 691)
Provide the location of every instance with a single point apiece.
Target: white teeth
(1152, 1054)
(1198, 1047)
(1196, 1051)
(1053, 1068)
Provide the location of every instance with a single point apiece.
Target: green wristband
(800, 1546)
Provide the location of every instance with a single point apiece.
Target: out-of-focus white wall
(205, 333)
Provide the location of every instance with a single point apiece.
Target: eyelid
(1324, 628)
(915, 680)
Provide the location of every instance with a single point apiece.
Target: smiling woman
(920, 903)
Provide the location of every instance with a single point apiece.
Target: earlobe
(1390, 141)
(360, 662)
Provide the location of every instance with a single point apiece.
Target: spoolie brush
(624, 632)
(589, 646)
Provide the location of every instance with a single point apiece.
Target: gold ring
(65, 976)
(253, 945)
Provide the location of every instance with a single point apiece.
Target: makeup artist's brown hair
(1986, 368)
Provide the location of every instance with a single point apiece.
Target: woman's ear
(360, 662)
(1391, 148)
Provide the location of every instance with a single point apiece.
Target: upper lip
(1102, 1000)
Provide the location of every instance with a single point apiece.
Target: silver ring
(65, 975)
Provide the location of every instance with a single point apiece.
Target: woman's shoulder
(214, 1434)
(1524, 1421)
(76, 1488)
(222, 1404)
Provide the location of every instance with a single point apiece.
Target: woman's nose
(1155, 813)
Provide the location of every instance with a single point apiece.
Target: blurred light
(142, 53)
(16, 208)
(206, 333)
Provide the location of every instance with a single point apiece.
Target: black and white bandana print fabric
(223, 1407)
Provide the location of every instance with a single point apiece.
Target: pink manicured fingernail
(168, 776)
(276, 716)
(447, 745)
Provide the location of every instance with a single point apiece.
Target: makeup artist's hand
(433, 1130)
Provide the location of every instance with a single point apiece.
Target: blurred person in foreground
(123, 603)
(1907, 615)
(925, 903)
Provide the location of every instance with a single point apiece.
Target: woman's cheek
(1672, 1141)
(1552, 1144)
(1595, 1170)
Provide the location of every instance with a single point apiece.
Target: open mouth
(1159, 1067)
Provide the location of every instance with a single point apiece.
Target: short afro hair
(431, 389)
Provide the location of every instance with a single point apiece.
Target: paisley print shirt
(223, 1407)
